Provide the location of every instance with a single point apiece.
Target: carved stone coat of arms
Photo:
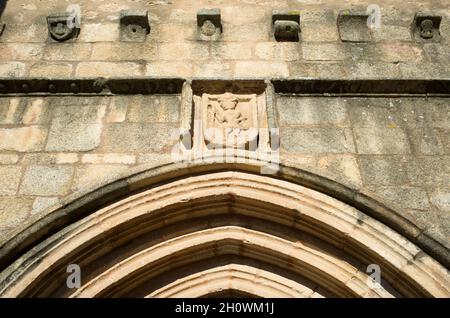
(229, 120)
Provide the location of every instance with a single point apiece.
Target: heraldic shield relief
(229, 120)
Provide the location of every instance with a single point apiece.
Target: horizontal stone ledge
(152, 85)
(363, 86)
(96, 86)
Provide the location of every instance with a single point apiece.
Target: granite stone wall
(395, 149)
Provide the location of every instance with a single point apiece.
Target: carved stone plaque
(229, 120)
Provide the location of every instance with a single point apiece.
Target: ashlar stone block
(47, 180)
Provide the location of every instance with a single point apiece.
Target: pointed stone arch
(173, 220)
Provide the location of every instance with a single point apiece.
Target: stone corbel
(353, 26)
(209, 24)
(134, 26)
(63, 26)
(425, 27)
(286, 26)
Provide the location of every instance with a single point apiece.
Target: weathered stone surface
(48, 158)
(174, 32)
(23, 139)
(111, 51)
(61, 138)
(154, 159)
(63, 158)
(438, 113)
(424, 70)
(387, 170)
(342, 168)
(231, 50)
(138, 137)
(401, 53)
(11, 110)
(329, 70)
(67, 51)
(319, 32)
(285, 51)
(380, 140)
(97, 69)
(430, 170)
(391, 33)
(25, 32)
(244, 69)
(436, 53)
(169, 69)
(443, 136)
(9, 179)
(322, 52)
(375, 112)
(46, 180)
(117, 109)
(88, 177)
(405, 197)
(206, 69)
(21, 52)
(308, 111)
(440, 198)
(108, 158)
(49, 69)
(317, 140)
(37, 112)
(247, 32)
(13, 211)
(12, 69)
(426, 141)
(8, 159)
(438, 228)
(76, 128)
(373, 69)
(99, 32)
(150, 109)
(240, 15)
(42, 203)
(183, 51)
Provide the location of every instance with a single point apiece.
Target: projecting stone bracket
(286, 26)
(63, 26)
(134, 26)
(425, 27)
(209, 24)
(353, 26)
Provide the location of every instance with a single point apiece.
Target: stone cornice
(151, 85)
(90, 86)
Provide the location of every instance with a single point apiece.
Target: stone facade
(391, 147)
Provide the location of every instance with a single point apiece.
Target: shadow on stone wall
(2, 6)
